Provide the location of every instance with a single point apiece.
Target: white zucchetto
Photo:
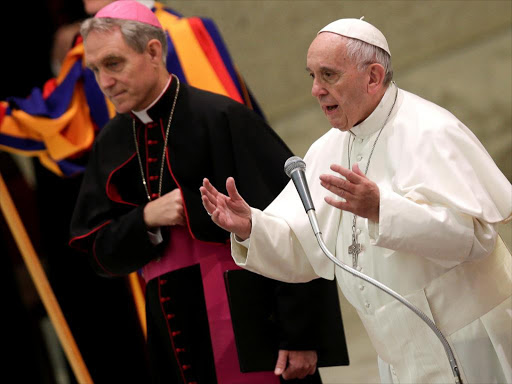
(358, 29)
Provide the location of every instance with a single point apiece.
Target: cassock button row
(154, 195)
(186, 366)
(171, 316)
(152, 159)
(153, 178)
(359, 157)
(152, 142)
(175, 333)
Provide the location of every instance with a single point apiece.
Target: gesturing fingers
(232, 190)
(209, 195)
(207, 204)
(343, 205)
(361, 195)
(351, 176)
(337, 185)
(209, 187)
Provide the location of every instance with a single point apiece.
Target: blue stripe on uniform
(69, 169)
(20, 143)
(58, 101)
(95, 99)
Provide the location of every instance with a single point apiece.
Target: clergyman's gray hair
(135, 34)
(365, 54)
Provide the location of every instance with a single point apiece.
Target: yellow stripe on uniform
(69, 61)
(195, 64)
(110, 108)
(71, 133)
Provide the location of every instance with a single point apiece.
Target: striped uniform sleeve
(59, 122)
(198, 56)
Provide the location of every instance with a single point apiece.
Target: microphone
(295, 169)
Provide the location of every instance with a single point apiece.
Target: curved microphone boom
(295, 169)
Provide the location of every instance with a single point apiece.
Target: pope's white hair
(365, 54)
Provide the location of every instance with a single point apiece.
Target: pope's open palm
(230, 212)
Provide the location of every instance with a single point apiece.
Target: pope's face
(338, 86)
(129, 79)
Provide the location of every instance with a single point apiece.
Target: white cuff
(373, 231)
(155, 237)
(245, 243)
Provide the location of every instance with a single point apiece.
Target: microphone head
(293, 163)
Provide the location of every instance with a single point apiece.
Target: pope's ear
(376, 75)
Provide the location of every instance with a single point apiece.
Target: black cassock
(210, 136)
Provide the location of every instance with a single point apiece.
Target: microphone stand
(318, 234)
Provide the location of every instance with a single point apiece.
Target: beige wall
(455, 53)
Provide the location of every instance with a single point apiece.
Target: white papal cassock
(441, 195)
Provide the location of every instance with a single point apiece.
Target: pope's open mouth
(330, 108)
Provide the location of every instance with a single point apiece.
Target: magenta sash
(184, 251)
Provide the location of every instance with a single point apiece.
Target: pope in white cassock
(408, 184)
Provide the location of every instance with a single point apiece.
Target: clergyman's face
(129, 79)
(339, 87)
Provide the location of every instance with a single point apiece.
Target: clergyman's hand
(295, 364)
(230, 212)
(362, 196)
(167, 210)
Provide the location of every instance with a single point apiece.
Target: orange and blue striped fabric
(59, 123)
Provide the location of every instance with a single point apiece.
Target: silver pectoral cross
(354, 249)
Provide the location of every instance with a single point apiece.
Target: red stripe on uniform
(205, 41)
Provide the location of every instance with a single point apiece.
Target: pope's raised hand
(361, 195)
(230, 212)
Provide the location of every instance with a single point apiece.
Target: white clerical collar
(374, 122)
(143, 115)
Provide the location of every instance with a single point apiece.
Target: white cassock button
(361, 287)
(360, 157)
(360, 140)
(367, 305)
(358, 231)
